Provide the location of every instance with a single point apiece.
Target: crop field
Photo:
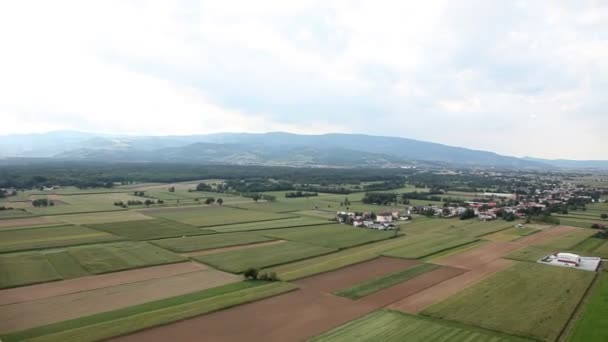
(119, 256)
(428, 245)
(73, 209)
(569, 240)
(511, 234)
(289, 205)
(331, 235)
(103, 217)
(260, 257)
(98, 199)
(25, 268)
(282, 223)
(213, 215)
(150, 229)
(393, 326)
(203, 242)
(374, 285)
(591, 327)
(122, 321)
(46, 237)
(15, 213)
(519, 301)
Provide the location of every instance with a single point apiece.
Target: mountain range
(275, 148)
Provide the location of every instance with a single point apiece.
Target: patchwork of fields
(174, 271)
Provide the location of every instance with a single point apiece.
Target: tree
(251, 273)
(203, 187)
(604, 216)
(255, 197)
(148, 202)
(209, 200)
(219, 201)
(171, 189)
(467, 214)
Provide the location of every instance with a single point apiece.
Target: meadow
(332, 235)
(47, 237)
(591, 327)
(393, 326)
(261, 257)
(204, 242)
(282, 223)
(209, 216)
(428, 245)
(519, 301)
(374, 285)
(149, 229)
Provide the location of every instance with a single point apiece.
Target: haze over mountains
(276, 148)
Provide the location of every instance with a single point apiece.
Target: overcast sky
(514, 77)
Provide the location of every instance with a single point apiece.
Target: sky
(514, 77)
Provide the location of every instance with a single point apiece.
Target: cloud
(519, 78)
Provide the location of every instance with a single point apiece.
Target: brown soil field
(441, 291)
(232, 248)
(48, 310)
(302, 314)
(58, 288)
(23, 222)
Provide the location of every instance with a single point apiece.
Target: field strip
(441, 291)
(23, 222)
(55, 238)
(233, 248)
(64, 287)
(25, 315)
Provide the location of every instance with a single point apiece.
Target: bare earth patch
(232, 248)
(41, 311)
(24, 222)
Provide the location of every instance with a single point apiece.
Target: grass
(530, 253)
(203, 216)
(282, 223)
(429, 245)
(331, 235)
(14, 213)
(374, 285)
(46, 237)
(104, 258)
(455, 250)
(103, 217)
(131, 319)
(199, 243)
(260, 257)
(511, 234)
(62, 209)
(150, 229)
(393, 326)
(25, 269)
(591, 325)
(65, 264)
(527, 299)
(568, 240)
(589, 245)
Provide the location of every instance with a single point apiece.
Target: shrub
(251, 273)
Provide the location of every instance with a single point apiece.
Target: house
(357, 223)
(569, 259)
(384, 217)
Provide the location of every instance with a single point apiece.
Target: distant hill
(572, 164)
(276, 148)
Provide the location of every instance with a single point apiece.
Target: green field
(25, 268)
(527, 299)
(209, 216)
(103, 217)
(331, 235)
(531, 253)
(199, 243)
(282, 223)
(149, 229)
(591, 325)
(46, 237)
(128, 320)
(428, 245)
(120, 256)
(61, 209)
(393, 326)
(569, 240)
(374, 285)
(260, 257)
(511, 234)
(14, 213)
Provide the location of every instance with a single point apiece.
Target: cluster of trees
(385, 185)
(346, 202)
(147, 202)
(256, 197)
(295, 194)
(211, 200)
(139, 193)
(429, 196)
(204, 187)
(42, 202)
(468, 214)
(8, 208)
(598, 226)
(3, 193)
(382, 198)
(255, 274)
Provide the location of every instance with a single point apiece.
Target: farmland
(590, 327)
(174, 269)
(149, 229)
(238, 261)
(499, 303)
(46, 237)
(392, 326)
(199, 243)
